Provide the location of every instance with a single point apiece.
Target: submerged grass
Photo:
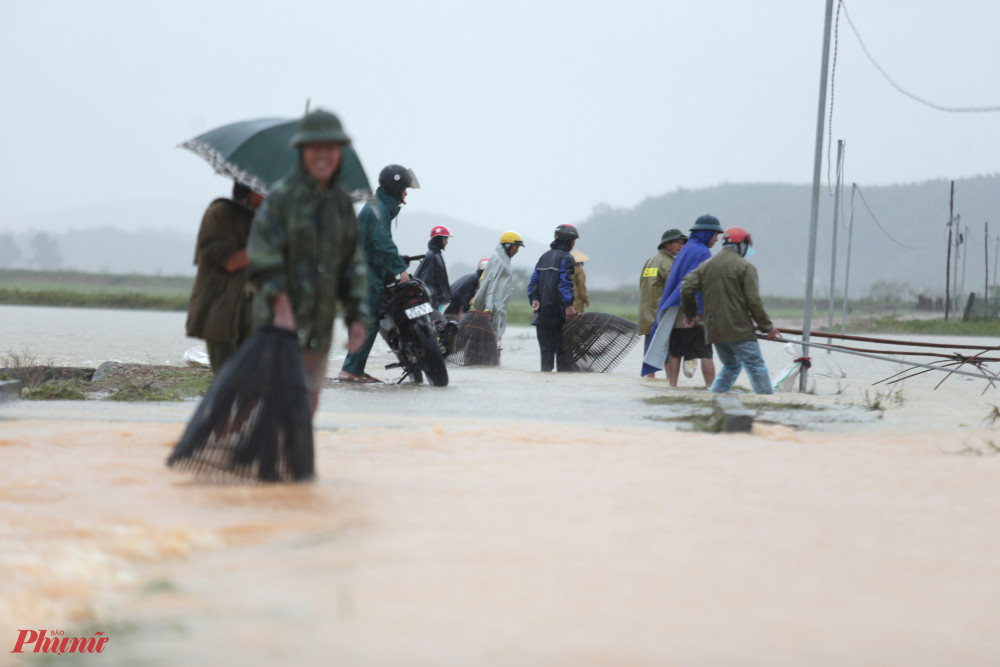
(55, 390)
(682, 399)
(940, 327)
(67, 297)
(135, 393)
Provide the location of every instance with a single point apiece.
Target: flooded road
(515, 518)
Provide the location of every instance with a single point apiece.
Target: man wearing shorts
(675, 340)
(304, 251)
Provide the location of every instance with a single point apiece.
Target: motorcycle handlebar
(412, 258)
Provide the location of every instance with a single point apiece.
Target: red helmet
(440, 230)
(483, 262)
(737, 235)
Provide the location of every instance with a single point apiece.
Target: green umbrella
(256, 153)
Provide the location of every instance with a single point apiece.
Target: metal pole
(954, 279)
(836, 223)
(947, 270)
(986, 275)
(965, 260)
(847, 269)
(814, 214)
(996, 250)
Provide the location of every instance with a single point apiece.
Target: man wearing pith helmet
(304, 250)
(654, 278)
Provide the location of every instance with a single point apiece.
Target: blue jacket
(694, 252)
(551, 284)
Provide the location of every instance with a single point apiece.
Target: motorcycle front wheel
(430, 355)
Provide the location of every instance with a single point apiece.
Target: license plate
(417, 311)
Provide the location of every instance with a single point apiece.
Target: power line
(899, 243)
(932, 105)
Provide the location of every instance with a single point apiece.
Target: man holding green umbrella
(304, 250)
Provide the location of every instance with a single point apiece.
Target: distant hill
(618, 241)
(470, 243)
(110, 249)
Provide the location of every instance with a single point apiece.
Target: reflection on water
(88, 337)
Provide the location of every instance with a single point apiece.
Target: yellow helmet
(511, 237)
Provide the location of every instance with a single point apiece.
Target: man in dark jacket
(220, 309)
(382, 257)
(432, 271)
(550, 292)
(463, 289)
(732, 305)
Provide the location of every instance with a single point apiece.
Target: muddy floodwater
(511, 518)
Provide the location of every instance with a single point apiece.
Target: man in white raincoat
(496, 285)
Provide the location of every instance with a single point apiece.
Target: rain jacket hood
(433, 272)
(495, 290)
(381, 253)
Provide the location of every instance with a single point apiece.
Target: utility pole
(996, 250)
(986, 274)
(847, 269)
(947, 270)
(965, 260)
(836, 224)
(814, 216)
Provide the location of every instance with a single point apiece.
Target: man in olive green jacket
(304, 250)
(729, 288)
(654, 279)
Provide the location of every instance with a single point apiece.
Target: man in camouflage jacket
(304, 251)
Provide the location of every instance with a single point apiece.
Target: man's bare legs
(708, 371)
(673, 370)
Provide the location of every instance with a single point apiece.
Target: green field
(143, 292)
(94, 290)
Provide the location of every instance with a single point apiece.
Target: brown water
(516, 518)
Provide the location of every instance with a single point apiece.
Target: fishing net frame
(255, 421)
(598, 342)
(476, 344)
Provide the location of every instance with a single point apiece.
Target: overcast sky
(514, 115)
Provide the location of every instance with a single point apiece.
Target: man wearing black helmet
(550, 292)
(382, 257)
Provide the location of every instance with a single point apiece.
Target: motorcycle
(408, 325)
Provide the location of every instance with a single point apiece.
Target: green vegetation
(134, 393)
(55, 390)
(124, 382)
(681, 399)
(882, 400)
(941, 327)
(872, 314)
(128, 301)
(94, 290)
(763, 405)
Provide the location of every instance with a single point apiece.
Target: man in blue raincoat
(670, 339)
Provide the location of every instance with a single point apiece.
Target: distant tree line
(44, 252)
